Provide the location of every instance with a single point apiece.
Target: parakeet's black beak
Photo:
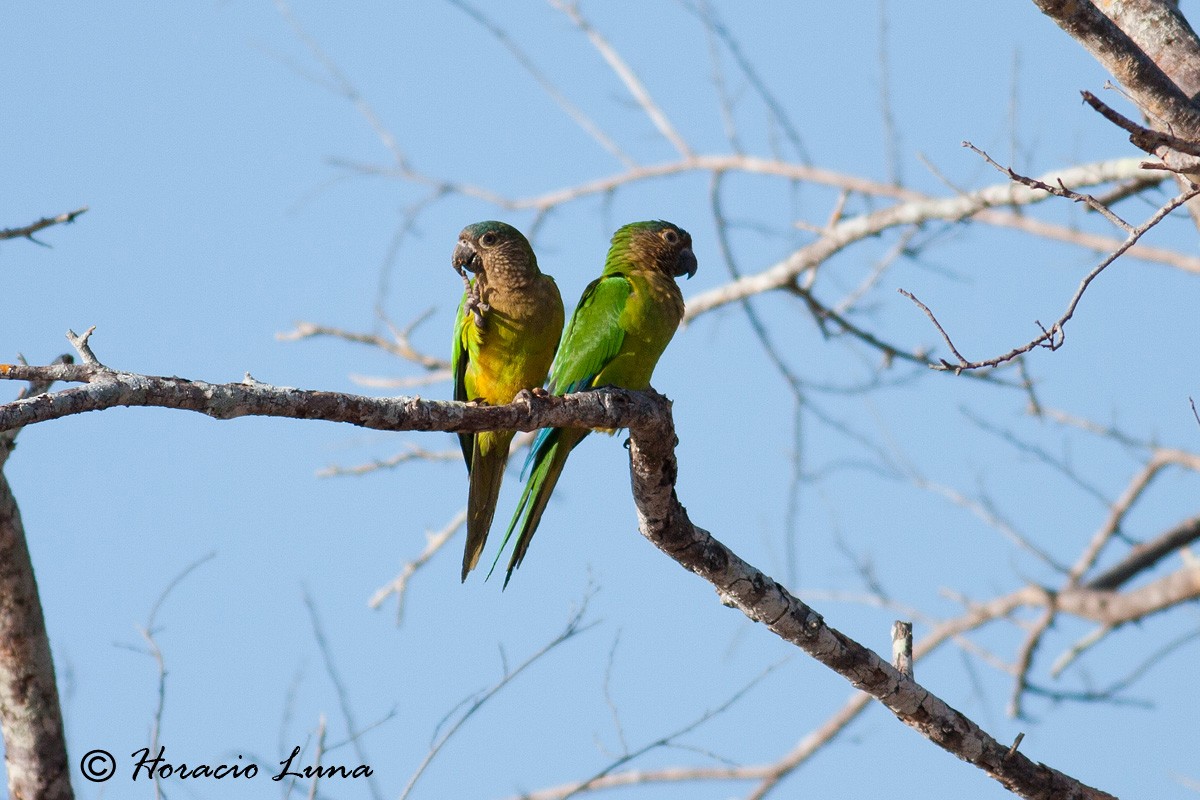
(686, 263)
(466, 258)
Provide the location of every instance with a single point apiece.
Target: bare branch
(27, 231)
(1145, 555)
(574, 627)
(35, 749)
(1145, 138)
(661, 519)
(780, 116)
(1151, 88)
(399, 345)
(632, 82)
(665, 523)
(1053, 337)
(570, 109)
(344, 86)
(667, 740)
(434, 542)
(1025, 660)
(1058, 191)
(411, 453)
(920, 209)
(335, 677)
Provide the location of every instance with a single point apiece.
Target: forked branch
(662, 519)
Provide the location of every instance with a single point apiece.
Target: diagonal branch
(1151, 88)
(632, 82)
(570, 109)
(664, 521)
(1053, 337)
(917, 210)
(27, 231)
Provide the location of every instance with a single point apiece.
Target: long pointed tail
(547, 459)
(488, 459)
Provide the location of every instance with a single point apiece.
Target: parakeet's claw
(538, 391)
(477, 311)
(474, 306)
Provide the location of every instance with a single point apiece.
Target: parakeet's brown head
(494, 247)
(664, 246)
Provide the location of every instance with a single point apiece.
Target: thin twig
(570, 109)
(343, 695)
(411, 453)
(1058, 191)
(669, 739)
(320, 751)
(398, 345)
(573, 628)
(27, 231)
(623, 71)
(434, 542)
(962, 362)
(1054, 337)
(1141, 136)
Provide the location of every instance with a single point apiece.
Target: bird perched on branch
(621, 326)
(505, 335)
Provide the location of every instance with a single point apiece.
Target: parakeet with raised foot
(621, 326)
(507, 329)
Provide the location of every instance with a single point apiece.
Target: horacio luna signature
(159, 767)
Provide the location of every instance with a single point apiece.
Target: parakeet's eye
(488, 239)
(670, 237)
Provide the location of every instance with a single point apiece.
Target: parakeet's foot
(476, 308)
(538, 391)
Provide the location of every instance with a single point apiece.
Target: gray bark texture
(661, 517)
(35, 749)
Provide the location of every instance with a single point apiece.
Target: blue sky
(210, 149)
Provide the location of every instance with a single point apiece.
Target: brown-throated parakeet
(621, 326)
(505, 335)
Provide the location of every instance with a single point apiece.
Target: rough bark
(662, 519)
(35, 749)
(1150, 48)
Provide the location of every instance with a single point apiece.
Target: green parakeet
(505, 335)
(621, 326)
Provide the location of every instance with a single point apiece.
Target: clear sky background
(211, 150)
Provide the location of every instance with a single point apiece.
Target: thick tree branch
(1151, 88)
(106, 388)
(661, 519)
(35, 748)
(1160, 30)
(664, 521)
(1147, 554)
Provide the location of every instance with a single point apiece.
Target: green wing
(460, 356)
(594, 335)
